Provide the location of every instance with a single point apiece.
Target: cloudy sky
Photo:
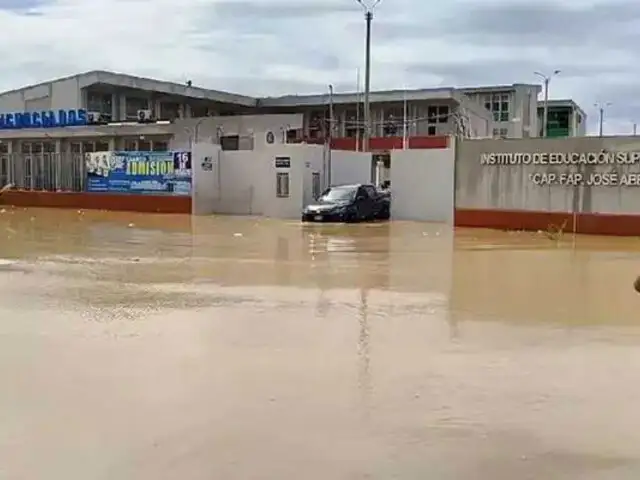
(272, 47)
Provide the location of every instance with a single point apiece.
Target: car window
(338, 194)
(371, 191)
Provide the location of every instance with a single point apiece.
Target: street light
(601, 107)
(545, 113)
(368, 16)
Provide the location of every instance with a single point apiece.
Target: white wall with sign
(274, 182)
(574, 175)
(423, 184)
(205, 190)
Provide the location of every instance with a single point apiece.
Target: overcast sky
(273, 47)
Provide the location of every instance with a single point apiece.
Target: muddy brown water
(140, 347)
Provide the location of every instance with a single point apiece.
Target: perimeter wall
(582, 184)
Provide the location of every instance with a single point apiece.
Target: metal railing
(52, 172)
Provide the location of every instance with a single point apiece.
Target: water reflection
(181, 347)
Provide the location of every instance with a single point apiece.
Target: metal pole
(358, 111)
(635, 129)
(331, 123)
(404, 120)
(545, 114)
(367, 81)
(600, 129)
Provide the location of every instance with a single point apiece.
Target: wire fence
(53, 172)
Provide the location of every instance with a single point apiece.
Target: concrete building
(565, 119)
(108, 98)
(513, 108)
(158, 115)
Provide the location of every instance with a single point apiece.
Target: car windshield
(339, 194)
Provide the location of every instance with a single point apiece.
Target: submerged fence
(53, 172)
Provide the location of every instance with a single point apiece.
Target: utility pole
(330, 135)
(545, 113)
(601, 108)
(635, 129)
(368, 16)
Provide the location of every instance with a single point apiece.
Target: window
(76, 147)
(500, 132)
(100, 102)
(370, 190)
(130, 145)
(230, 142)
(88, 147)
(432, 115)
(431, 130)
(144, 146)
(133, 105)
(499, 105)
(170, 111)
(102, 146)
(315, 184)
(282, 184)
(160, 146)
(443, 114)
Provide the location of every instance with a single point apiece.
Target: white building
(238, 121)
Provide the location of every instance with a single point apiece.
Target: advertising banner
(139, 173)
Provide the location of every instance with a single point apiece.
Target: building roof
(353, 97)
(96, 77)
(562, 102)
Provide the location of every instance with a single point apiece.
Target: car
(349, 203)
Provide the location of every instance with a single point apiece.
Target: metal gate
(51, 172)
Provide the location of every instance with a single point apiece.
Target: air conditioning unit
(94, 117)
(145, 116)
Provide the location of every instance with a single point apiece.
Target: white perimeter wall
(244, 182)
(205, 188)
(350, 167)
(423, 185)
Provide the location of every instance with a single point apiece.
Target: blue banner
(139, 173)
(44, 119)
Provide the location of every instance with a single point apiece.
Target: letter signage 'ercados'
(43, 119)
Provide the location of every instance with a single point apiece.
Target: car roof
(352, 185)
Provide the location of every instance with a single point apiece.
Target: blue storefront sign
(140, 173)
(44, 119)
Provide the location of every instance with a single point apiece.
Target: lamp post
(545, 113)
(601, 108)
(368, 16)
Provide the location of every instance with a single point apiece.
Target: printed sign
(43, 119)
(207, 164)
(140, 173)
(283, 162)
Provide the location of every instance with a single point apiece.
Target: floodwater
(155, 347)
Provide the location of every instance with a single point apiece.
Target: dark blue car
(349, 203)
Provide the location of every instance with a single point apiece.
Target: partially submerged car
(349, 203)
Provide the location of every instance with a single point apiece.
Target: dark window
(432, 114)
(102, 146)
(230, 142)
(443, 114)
(370, 190)
(160, 146)
(431, 130)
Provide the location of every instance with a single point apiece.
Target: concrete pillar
(115, 107)
(123, 107)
